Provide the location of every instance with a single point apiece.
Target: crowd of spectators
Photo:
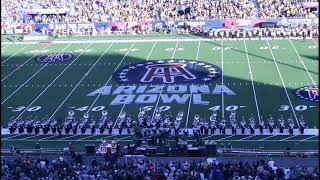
(77, 168)
(286, 8)
(135, 10)
(281, 32)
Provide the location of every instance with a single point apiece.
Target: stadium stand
(115, 168)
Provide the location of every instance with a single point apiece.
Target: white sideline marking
(30, 78)
(15, 54)
(246, 137)
(308, 138)
(53, 135)
(111, 76)
(266, 138)
(24, 63)
(288, 137)
(89, 136)
(69, 137)
(154, 111)
(224, 138)
(84, 76)
(250, 72)
(191, 92)
(12, 136)
(222, 94)
(284, 86)
(302, 62)
(114, 125)
(30, 136)
(53, 81)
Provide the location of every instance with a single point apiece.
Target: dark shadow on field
(268, 59)
(114, 58)
(311, 57)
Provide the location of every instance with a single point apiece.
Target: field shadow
(311, 57)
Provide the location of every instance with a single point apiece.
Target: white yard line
(315, 42)
(15, 54)
(70, 136)
(30, 78)
(53, 135)
(90, 136)
(208, 136)
(30, 137)
(288, 137)
(53, 81)
(24, 63)
(189, 106)
(154, 111)
(12, 136)
(111, 75)
(266, 138)
(124, 138)
(84, 76)
(284, 86)
(222, 95)
(307, 138)
(302, 61)
(246, 137)
(224, 138)
(251, 76)
(154, 44)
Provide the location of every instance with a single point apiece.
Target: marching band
(158, 124)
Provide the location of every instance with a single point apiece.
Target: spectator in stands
(144, 169)
(72, 150)
(287, 8)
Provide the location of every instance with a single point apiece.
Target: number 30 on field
(297, 108)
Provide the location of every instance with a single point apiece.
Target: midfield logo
(54, 57)
(175, 71)
(310, 93)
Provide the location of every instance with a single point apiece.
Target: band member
(223, 126)
(243, 125)
(110, 127)
(37, 127)
(54, 126)
(30, 127)
(282, 124)
(213, 127)
(234, 127)
(261, 126)
(270, 124)
(93, 127)
(291, 126)
(12, 126)
(252, 124)
(74, 128)
(21, 127)
(302, 125)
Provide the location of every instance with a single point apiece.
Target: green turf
(269, 88)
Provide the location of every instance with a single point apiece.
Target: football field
(258, 77)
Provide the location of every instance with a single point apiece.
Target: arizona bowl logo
(54, 57)
(175, 71)
(310, 93)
